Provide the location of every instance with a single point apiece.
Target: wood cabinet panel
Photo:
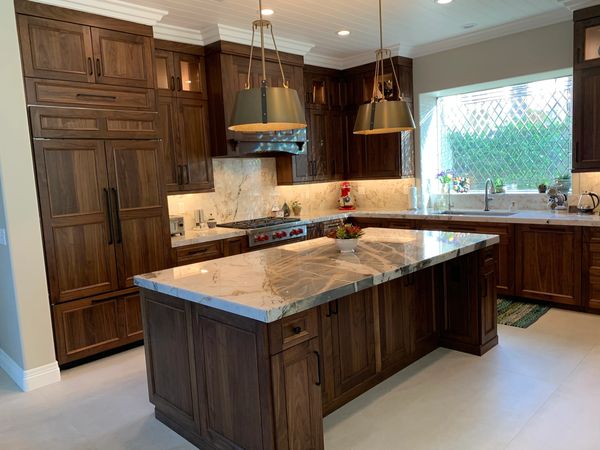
(169, 132)
(235, 246)
(545, 255)
(123, 59)
(141, 217)
(165, 72)
(75, 208)
(199, 252)
(56, 50)
(586, 107)
(195, 145)
(297, 397)
(132, 317)
(69, 93)
(397, 300)
(293, 330)
(54, 122)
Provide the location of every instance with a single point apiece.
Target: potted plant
(563, 183)
(296, 207)
(346, 237)
(543, 187)
(499, 186)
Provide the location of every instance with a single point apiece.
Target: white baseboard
(31, 379)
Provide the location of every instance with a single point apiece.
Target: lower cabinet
(86, 327)
(590, 283)
(195, 253)
(549, 263)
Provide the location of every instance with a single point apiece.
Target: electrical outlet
(3, 236)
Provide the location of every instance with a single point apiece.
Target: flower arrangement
(455, 183)
(347, 231)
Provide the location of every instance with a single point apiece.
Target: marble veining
(205, 235)
(267, 285)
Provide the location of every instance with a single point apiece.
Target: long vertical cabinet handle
(187, 174)
(90, 66)
(179, 84)
(111, 231)
(118, 216)
(98, 67)
(318, 355)
(172, 83)
(179, 175)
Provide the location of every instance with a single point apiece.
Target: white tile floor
(539, 389)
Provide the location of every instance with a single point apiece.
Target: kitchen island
(251, 351)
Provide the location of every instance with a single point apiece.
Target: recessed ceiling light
(468, 26)
(343, 33)
(443, 2)
(267, 12)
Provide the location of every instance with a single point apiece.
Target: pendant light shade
(382, 116)
(267, 109)
(263, 108)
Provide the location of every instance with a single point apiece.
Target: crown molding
(117, 9)
(178, 34)
(517, 26)
(574, 5)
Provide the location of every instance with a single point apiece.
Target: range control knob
(283, 234)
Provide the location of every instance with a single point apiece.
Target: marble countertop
(523, 217)
(267, 285)
(205, 235)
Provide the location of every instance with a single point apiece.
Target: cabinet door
(383, 156)
(353, 341)
(131, 318)
(297, 397)
(76, 217)
(586, 130)
(591, 269)
(548, 263)
(407, 139)
(140, 207)
(235, 246)
(56, 50)
(195, 145)
(356, 153)
(335, 145)
(123, 59)
(190, 76)
(317, 136)
(169, 132)
(396, 303)
(165, 72)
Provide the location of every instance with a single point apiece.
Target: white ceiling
(411, 27)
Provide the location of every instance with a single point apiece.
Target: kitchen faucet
(486, 197)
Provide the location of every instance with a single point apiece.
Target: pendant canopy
(263, 108)
(382, 116)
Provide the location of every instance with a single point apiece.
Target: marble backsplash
(246, 188)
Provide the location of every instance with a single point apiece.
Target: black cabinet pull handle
(90, 66)
(172, 83)
(297, 330)
(111, 231)
(118, 216)
(187, 174)
(179, 84)
(98, 67)
(111, 98)
(197, 252)
(330, 311)
(318, 383)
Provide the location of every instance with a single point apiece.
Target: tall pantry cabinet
(90, 88)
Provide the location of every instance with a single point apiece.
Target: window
(520, 134)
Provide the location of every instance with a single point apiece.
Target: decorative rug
(519, 314)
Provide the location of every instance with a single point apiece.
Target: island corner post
(224, 381)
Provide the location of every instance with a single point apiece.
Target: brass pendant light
(382, 116)
(266, 109)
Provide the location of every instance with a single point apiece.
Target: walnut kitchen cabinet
(586, 89)
(549, 263)
(184, 118)
(590, 283)
(60, 50)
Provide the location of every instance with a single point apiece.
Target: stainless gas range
(270, 230)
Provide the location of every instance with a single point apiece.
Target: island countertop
(267, 285)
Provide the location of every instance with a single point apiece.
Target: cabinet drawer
(49, 122)
(401, 224)
(198, 253)
(292, 330)
(61, 93)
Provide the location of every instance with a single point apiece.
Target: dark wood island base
(224, 381)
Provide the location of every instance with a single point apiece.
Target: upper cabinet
(53, 49)
(586, 90)
(183, 116)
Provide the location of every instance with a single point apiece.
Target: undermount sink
(459, 212)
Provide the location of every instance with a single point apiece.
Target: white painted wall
(26, 342)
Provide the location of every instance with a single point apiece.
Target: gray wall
(25, 327)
